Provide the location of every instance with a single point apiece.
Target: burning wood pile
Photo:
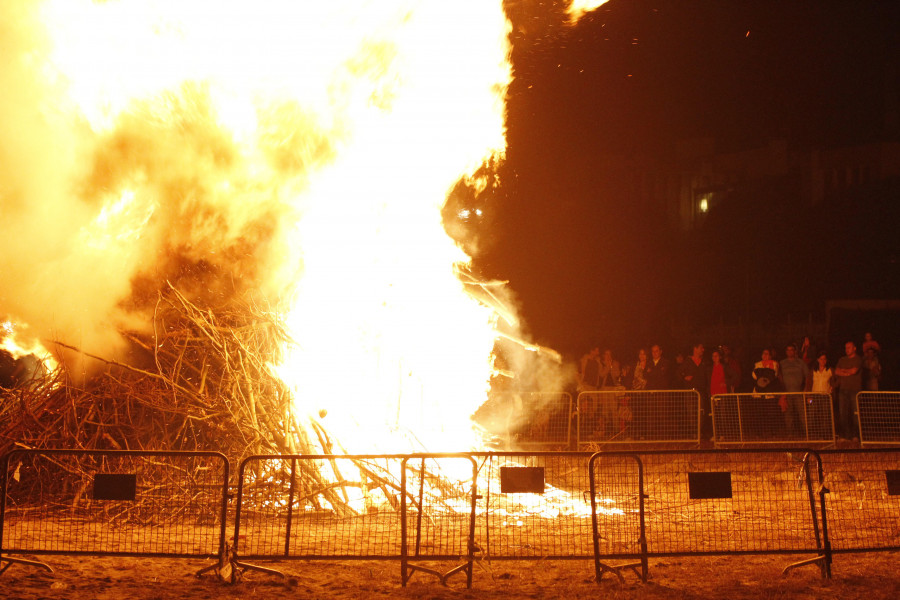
(204, 383)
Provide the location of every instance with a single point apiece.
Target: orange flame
(578, 8)
(333, 130)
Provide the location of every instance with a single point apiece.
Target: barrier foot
(221, 568)
(603, 568)
(442, 577)
(238, 567)
(820, 561)
(22, 561)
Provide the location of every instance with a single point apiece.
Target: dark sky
(633, 77)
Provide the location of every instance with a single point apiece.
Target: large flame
(306, 146)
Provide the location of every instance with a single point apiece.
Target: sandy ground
(872, 576)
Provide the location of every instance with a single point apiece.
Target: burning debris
(200, 381)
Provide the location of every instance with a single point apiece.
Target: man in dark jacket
(694, 375)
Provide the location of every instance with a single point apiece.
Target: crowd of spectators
(802, 368)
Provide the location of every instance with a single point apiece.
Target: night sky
(633, 78)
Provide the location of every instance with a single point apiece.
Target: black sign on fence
(705, 486)
(893, 482)
(115, 486)
(522, 480)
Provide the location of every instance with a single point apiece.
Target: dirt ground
(871, 576)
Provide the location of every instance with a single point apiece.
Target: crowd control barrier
(716, 502)
(638, 416)
(355, 507)
(113, 503)
(615, 508)
(879, 418)
(797, 417)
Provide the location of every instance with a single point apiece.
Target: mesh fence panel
(879, 417)
(529, 420)
(319, 506)
(638, 416)
(550, 419)
(730, 502)
(616, 481)
(533, 506)
(766, 418)
(863, 503)
(527, 505)
(114, 503)
(439, 511)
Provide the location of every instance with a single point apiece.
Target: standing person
(766, 383)
(588, 381)
(871, 369)
(658, 374)
(610, 371)
(721, 377)
(679, 362)
(732, 364)
(794, 374)
(869, 342)
(765, 373)
(610, 379)
(589, 371)
(821, 382)
(658, 371)
(693, 370)
(638, 403)
(694, 375)
(639, 372)
(849, 381)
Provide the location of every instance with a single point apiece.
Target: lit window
(704, 205)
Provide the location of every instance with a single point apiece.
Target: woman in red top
(720, 376)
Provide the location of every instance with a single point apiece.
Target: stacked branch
(201, 380)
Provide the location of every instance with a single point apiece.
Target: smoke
(94, 220)
(44, 279)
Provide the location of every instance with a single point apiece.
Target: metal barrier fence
(617, 513)
(635, 416)
(113, 503)
(863, 499)
(312, 506)
(710, 502)
(356, 507)
(530, 419)
(772, 418)
(550, 422)
(439, 499)
(533, 505)
(514, 505)
(421, 509)
(879, 417)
